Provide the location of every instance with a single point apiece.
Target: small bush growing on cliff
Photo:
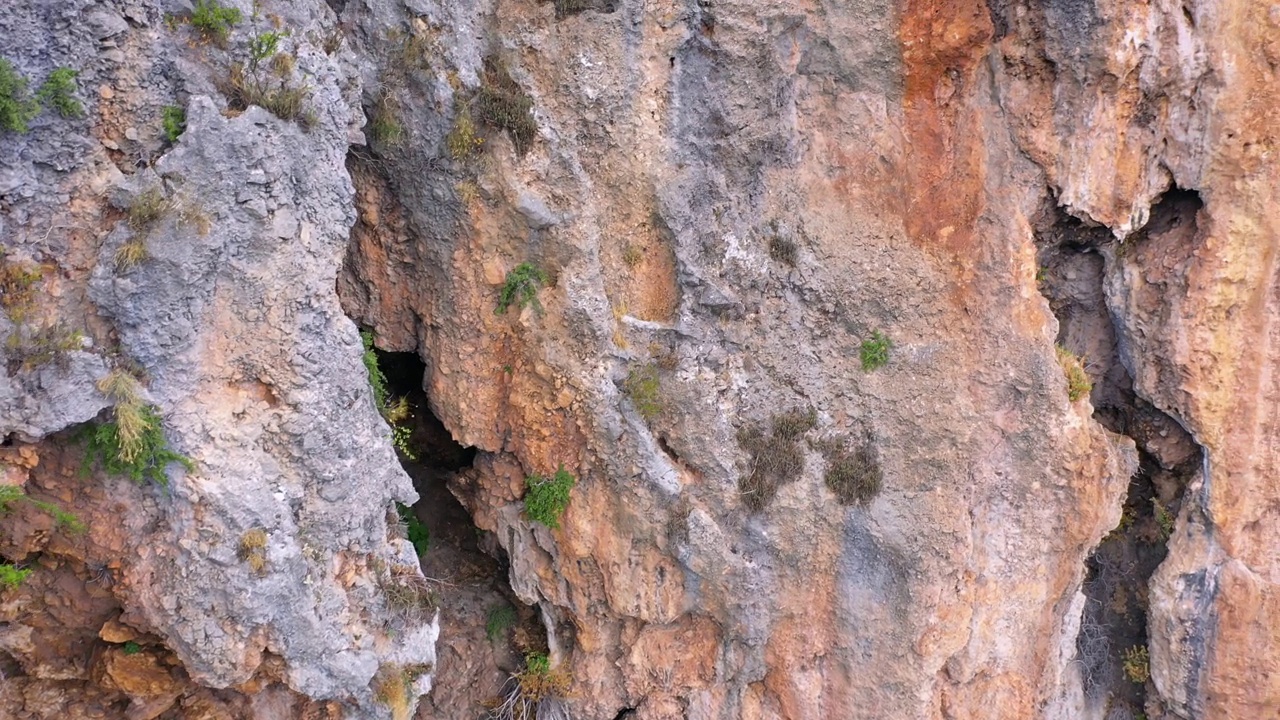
(29, 350)
(58, 90)
(214, 20)
(853, 475)
(875, 351)
(393, 687)
(521, 288)
(175, 122)
(133, 444)
(500, 620)
(395, 411)
(536, 693)
(644, 387)
(1137, 664)
(252, 550)
(546, 498)
(17, 288)
(12, 576)
(407, 593)
(463, 142)
(503, 105)
(1078, 383)
(776, 457)
(17, 107)
(415, 532)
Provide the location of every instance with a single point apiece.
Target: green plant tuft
(875, 351)
(501, 619)
(133, 444)
(12, 576)
(644, 387)
(1078, 383)
(17, 107)
(415, 530)
(175, 122)
(394, 411)
(214, 20)
(1164, 519)
(521, 288)
(503, 105)
(547, 498)
(12, 494)
(59, 90)
(131, 648)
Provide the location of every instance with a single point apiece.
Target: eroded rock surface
(729, 202)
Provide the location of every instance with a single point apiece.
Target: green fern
(11, 576)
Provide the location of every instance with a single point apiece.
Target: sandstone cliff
(911, 359)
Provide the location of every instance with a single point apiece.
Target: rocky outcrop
(728, 210)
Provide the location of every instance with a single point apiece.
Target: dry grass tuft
(776, 458)
(253, 550)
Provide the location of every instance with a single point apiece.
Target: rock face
(732, 207)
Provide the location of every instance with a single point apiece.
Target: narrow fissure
(1074, 261)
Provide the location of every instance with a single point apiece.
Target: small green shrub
(416, 532)
(276, 95)
(264, 46)
(644, 387)
(131, 648)
(501, 619)
(1078, 383)
(463, 142)
(17, 107)
(546, 499)
(58, 90)
(521, 288)
(377, 380)
(503, 105)
(175, 122)
(1164, 519)
(776, 458)
(875, 351)
(214, 20)
(1137, 664)
(12, 576)
(133, 444)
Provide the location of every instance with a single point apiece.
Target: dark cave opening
(1076, 260)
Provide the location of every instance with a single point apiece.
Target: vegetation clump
(17, 288)
(501, 619)
(503, 105)
(58, 90)
(407, 593)
(11, 495)
(644, 387)
(546, 498)
(1137, 664)
(214, 20)
(28, 350)
(776, 457)
(175, 122)
(393, 687)
(538, 692)
(17, 107)
(463, 142)
(521, 288)
(1078, 383)
(252, 550)
(875, 351)
(12, 576)
(415, 531)
(396, 411)
(853, 475)
(131, 648)
(1163, 519)
(133, 444)
(783, 249)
